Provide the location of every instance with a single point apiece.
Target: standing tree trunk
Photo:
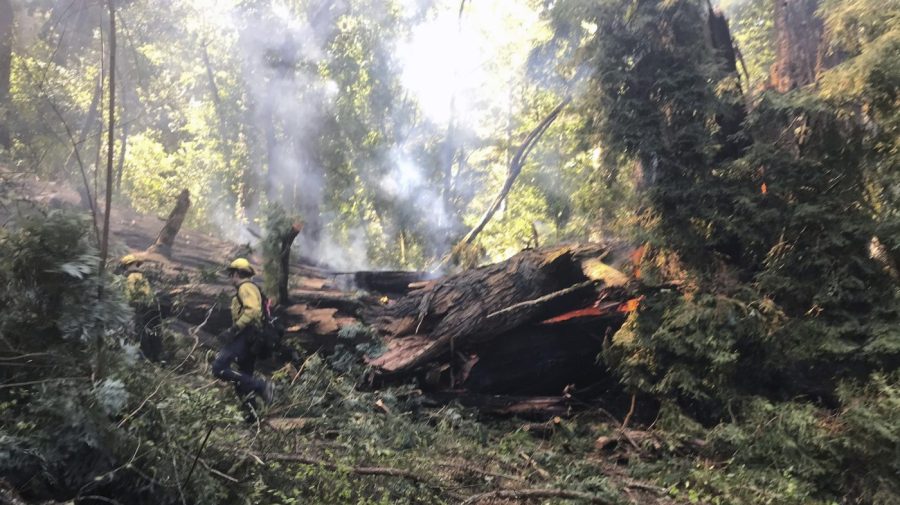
(798, 34)
(6, 36)
(124, 143)
(104, 244)
(731, 118)
(285, 262)
(217, 105)
(89, 121)
(166, 238)
(99, 370)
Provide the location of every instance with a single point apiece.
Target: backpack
(268, 339)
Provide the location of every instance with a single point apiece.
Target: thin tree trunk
(86, 127)
(104, 245)
(450, 147)
(217, 104)
(121, 165)
(272, 186)
(6, 35)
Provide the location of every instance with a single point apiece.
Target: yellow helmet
(128, 260)
(241, 265)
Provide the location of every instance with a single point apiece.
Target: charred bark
(391, 282)
(166, 238)
(284, 260)
(730, 119)
(462, 311)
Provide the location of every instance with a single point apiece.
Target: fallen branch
(525, 494)
(543, 299)
(36, 382)
(480, 471)
(171, 372)
(359, 470)
(209, 431)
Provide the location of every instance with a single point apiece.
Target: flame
(574, 314)
(764, 189)
(630, 306)
(636, 257)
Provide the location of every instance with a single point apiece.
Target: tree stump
(166, 238)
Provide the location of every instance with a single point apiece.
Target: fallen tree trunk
(466, 310)
(350, 303)
(529, 407)
(166, 238)
(392, 282)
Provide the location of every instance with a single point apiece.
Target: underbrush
(138, 432)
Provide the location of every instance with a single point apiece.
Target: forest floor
(370, 445)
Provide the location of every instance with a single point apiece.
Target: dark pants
(239, 351)
(149, 331)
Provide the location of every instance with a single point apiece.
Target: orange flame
(636, 257)
(764, 188)
(630, 306)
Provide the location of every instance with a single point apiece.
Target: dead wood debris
(527, 494)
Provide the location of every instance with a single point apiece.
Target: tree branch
(515, 168)
(359, 470)
(536, 493)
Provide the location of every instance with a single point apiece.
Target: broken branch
(524, 494)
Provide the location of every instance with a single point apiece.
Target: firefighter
(142, 300)
(238, 341)
(137, 289)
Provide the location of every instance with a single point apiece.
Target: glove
(228, 336)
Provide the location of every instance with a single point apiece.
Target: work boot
(268, 392)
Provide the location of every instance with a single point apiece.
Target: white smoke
(406, 185)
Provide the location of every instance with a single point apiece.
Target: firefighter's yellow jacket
(246, 306)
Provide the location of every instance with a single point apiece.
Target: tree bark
(284, 258)
(86, 127)
(166, 238)
(99, 370)
(798, 34)
(731, 118)
(468, 308)
(121, 167)
(217, 104)
(6, 38)
(104, 244)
